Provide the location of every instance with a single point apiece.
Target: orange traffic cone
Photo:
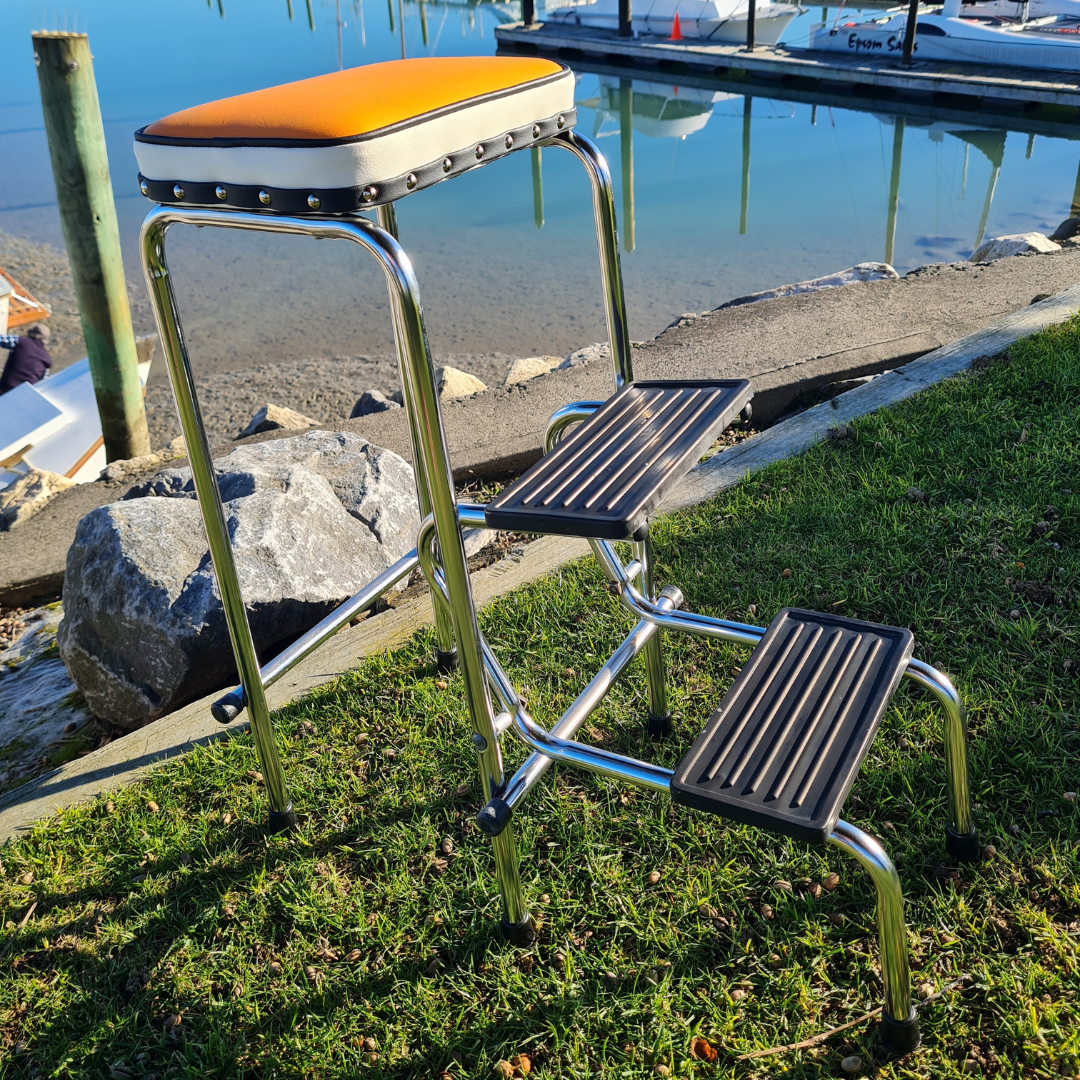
(676, 29)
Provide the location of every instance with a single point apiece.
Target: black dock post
(751, 16)
(528, 12)
(909, 32)
(624, 18)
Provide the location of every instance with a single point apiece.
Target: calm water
(728, 196)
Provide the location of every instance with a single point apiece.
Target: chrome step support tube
(227, 708)
(686, 622)
(536, 764)
(514, 712)
(659, 723)
(446, 655)
(961, 836)
(607, 241)
(900, 1026)
(563, 418)
(166, 312)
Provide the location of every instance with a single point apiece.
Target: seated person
(28, 360)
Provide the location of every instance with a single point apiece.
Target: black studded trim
(347, 200)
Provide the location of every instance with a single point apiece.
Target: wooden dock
(970, 85)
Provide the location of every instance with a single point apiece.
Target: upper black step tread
(605, 479)
(783, 749)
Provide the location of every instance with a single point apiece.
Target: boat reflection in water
(660, 110)
(989, 142)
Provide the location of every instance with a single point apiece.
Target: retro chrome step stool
(787, 741)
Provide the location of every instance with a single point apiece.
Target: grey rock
(1066, 230)
(372, 401)
(853, 275)
(529, 367)
(24, 497)
(312, 519)
(1002, 247)
(453, 383)
(600, 351)
(273, 418)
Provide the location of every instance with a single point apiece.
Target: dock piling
(84, 194)
(626, 146)
(744, 203)
(909, 33)
(894, 187)
(625, 29)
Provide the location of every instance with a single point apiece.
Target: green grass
(143, 914)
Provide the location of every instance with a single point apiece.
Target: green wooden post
(80, 168)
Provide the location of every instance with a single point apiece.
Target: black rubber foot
(522, 934)
(446, 662)
(226, 709)
(899, 1037)
(282, 820)
(965, 849)
(659, 727)
(494, 817)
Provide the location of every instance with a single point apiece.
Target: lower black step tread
(604, 480)
(784, 747)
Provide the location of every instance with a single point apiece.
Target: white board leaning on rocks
(312, 519)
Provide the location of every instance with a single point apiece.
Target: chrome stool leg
(446, 651)
(167, 315)
(655, 670)
(422, 399)
(607, 241)
(961, 836)
(899, 1025)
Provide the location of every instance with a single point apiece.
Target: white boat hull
(697, 21)
(1049, 44)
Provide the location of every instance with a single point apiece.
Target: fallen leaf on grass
(702, 1049)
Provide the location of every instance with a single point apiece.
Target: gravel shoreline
(323, 388)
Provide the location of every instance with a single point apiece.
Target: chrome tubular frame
(163, 298)
(563, 418)
(900, 1027)
(227, 708)
(655, 674)
(440, 553)
(607, 242)
(446, 655)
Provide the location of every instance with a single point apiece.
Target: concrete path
(785, 346)
(126, 759)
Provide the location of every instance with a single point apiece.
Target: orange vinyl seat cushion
(354, 138)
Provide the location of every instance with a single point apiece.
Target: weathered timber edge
(126, 759)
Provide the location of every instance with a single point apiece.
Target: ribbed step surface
(605, 479)
(783, 749)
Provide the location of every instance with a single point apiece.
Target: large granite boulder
(312, 518)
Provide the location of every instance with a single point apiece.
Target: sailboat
(718, 21)
(959, 32)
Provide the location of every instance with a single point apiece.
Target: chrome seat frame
(440, 553)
